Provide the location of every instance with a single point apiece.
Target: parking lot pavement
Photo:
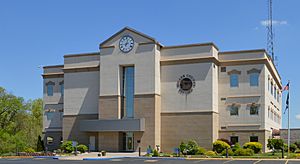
(146, 161)
(272, 162)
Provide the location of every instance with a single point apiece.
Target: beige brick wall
(177, 127)
(244, 136)
(148, 107)
(109, 141)
(109, 107)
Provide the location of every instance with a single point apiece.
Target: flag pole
(289, 132)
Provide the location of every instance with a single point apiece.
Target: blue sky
(35, 33)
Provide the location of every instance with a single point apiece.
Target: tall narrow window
(275, 92)
(234, 139)
(234, 110)
(234, 77)
(268, 84)
(254, 109)
(62, 88)
(50, 86)
(254, 79)
(234, 80)
(271, 88)
(254, 76)
(127, 110)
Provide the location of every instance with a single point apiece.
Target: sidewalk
(109, 155)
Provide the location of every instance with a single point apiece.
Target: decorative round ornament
(185, 84)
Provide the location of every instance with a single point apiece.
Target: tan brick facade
(198, 126)
(109, 107)
(148, 107)
(244, 136)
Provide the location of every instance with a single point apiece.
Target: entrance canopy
(116, 125)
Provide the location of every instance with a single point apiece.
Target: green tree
(40, 144)
(20, 122)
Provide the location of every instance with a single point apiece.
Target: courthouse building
(136, 92)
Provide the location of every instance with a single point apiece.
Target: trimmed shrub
(191, 148)
(210, 153)
(297, 143)
(236, 146)
(244, 152)
(285, 147)
(67, 147)
(226, 140)
(29, 150)
(275, 144)
(230, 152)
(297, 151)
(183, 147)
(219, 146)
(200, 151)
(155, 153)
(255, 146)
(293, 147)
(82, 148)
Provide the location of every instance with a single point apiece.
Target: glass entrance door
(129, 141)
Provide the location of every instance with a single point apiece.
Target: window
(62, 87)
(234, 139)
(275, 92)
(271, 88)
(268, 84)
(49, 140)
(50, 86)
(253, 138)
(234, 80)
(127, 110)
(254, 77)
(269, 112)
(234, 110)
(223, 69)
(254, 109)
(272, 115)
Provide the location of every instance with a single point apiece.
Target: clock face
(126, 43)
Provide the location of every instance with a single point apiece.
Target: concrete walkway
(95, 155)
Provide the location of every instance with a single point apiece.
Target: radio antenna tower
(270, 35)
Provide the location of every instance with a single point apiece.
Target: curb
(47, 157)
(162, 158)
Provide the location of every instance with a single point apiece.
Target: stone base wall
(71, 131)
(178, 127)
(244, 136)
(56, 135)
(109, 141)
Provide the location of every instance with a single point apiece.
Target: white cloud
(274, 22)
(298, 116)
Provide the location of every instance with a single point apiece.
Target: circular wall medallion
(126, 43)
(185, 84)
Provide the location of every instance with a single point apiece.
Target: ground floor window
(49, 140)
(253, 138)
(234, 139)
